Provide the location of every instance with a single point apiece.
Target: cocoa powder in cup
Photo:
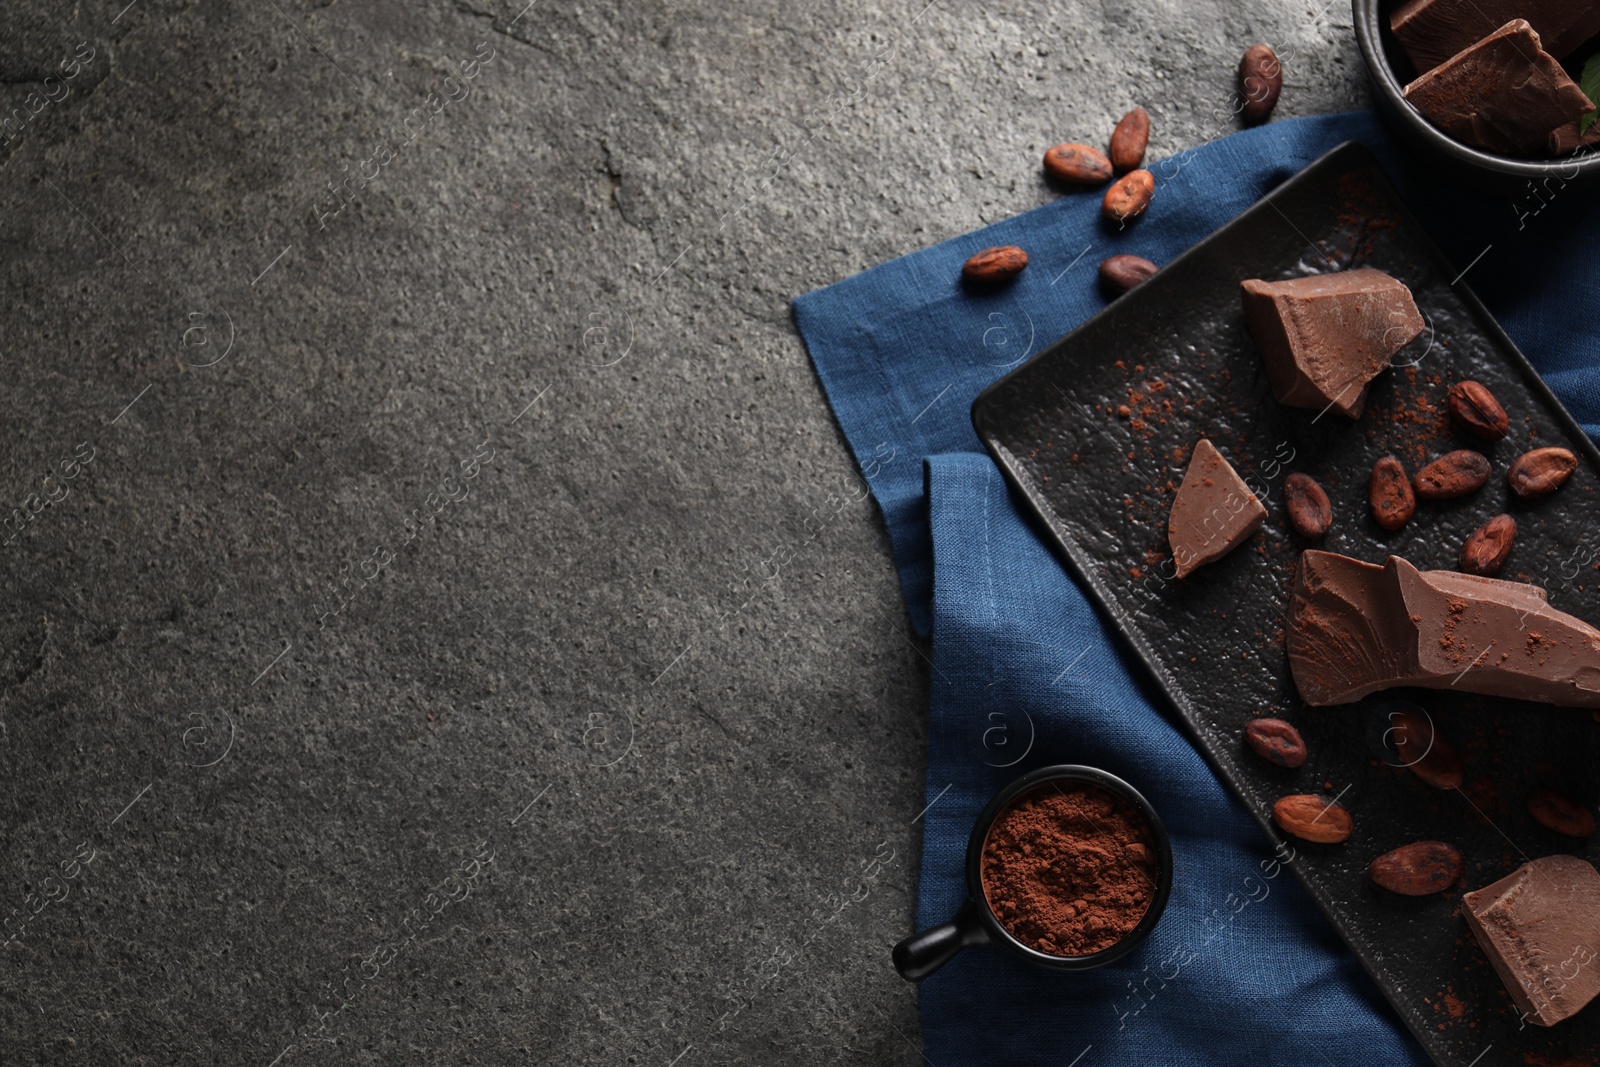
(1069, 868)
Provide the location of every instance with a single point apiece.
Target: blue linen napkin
(1024, 671)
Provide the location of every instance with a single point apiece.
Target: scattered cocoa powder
(1538, 1059)
(1069, 868)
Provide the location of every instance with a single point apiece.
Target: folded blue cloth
(1243, 964)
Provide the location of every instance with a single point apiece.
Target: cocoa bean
(1260, 82)
(1560, 813)
(1311, 818)
(1477, 411)
(1077, 164)
(1417, 869)
(1389, 494)
(1275, 741)
(1424, 751)
(1540, 472)
(1310, 512)
(994, 265)
(1453, 474)
(1485, 552)
(1121, 273)
(1129, 139)
(1129, 196)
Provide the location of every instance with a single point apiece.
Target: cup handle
(923, 953)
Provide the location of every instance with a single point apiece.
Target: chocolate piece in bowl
(1213, 513)
(1431, 31)
(1356, 628)
(1326, 336)
(1565, 140)
(1504, 93)
(1540, 927)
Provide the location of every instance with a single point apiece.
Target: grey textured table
(402, 415)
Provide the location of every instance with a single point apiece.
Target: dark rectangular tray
(1176, 355)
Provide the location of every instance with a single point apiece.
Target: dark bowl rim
(1369, 26)
(1111, 783)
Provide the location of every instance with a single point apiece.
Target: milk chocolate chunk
(1540, 927)
(1213, 512)
(1565, 140)
(1356, 628)
(1326, 336)
(1504, 93)
(1431, 31)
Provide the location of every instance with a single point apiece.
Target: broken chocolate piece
(1504, 93)
(1565, 140)
(1540, 927)
(1213, 512)
(1355, 628)
(1431, 31)
(1326, 336)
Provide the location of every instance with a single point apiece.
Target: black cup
(975, 924)
(1390, 70)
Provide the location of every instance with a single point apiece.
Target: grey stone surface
(382, 677)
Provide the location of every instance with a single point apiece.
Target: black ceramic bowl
(1391, 70)
(974, 924)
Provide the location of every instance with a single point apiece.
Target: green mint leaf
(1589, 82)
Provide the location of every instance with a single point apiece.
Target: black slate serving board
(1095, 434)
